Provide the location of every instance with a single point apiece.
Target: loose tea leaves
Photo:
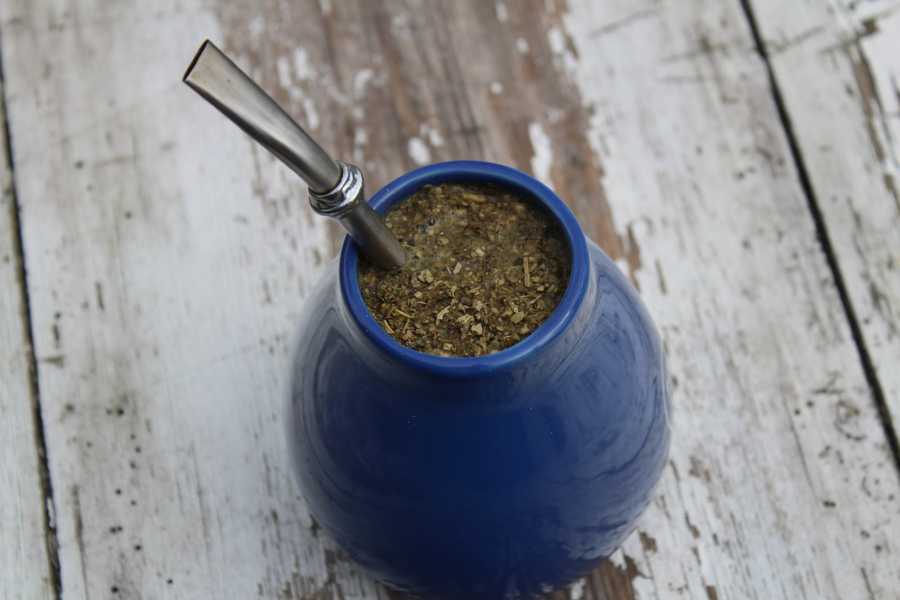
(484, 269)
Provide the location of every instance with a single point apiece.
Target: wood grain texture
(838, 65)
(25, 571)
(167, 262)
(177, 255)
(778, 443)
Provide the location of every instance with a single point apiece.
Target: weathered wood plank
(25, 570)
(176, 255)
(838, 66)
(778, 447)
(167, 261)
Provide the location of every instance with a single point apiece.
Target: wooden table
(738, 160)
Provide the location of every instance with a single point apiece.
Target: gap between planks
(51, 544)
(825, 239)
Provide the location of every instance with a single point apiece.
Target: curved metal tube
(215, 77)
(335, 189)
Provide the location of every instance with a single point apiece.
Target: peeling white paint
(302, 66)
(312, 115)
(502, 13)
(522, 45)
(842, 126)
(278, 241)
(576, 592)
(557, 41)
(560, 49)
(360, 139)
(418, 151)
(618, 557)
(361, 81)
(496, 88)
(645, 121)
(283, 68)
(543, 152)
(433, 136)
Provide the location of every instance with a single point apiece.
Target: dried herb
(484, 268)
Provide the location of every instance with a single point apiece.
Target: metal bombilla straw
(335, 188)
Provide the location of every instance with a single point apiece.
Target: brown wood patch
(441, 81)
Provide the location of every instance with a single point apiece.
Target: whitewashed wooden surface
(168, 259)
(838, 64)
(25, 571)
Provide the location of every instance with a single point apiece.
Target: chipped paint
(283, 68)
(418, 151)
(618, 559)
(502, 12)
(543, 152)
(302, 66)
(361, 81)
(360, 139)
(576, 592)
(561, 48)
(312, 115)
(434, 137)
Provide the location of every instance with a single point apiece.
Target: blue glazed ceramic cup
(501, 476)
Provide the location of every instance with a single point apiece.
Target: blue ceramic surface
(493, 477)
